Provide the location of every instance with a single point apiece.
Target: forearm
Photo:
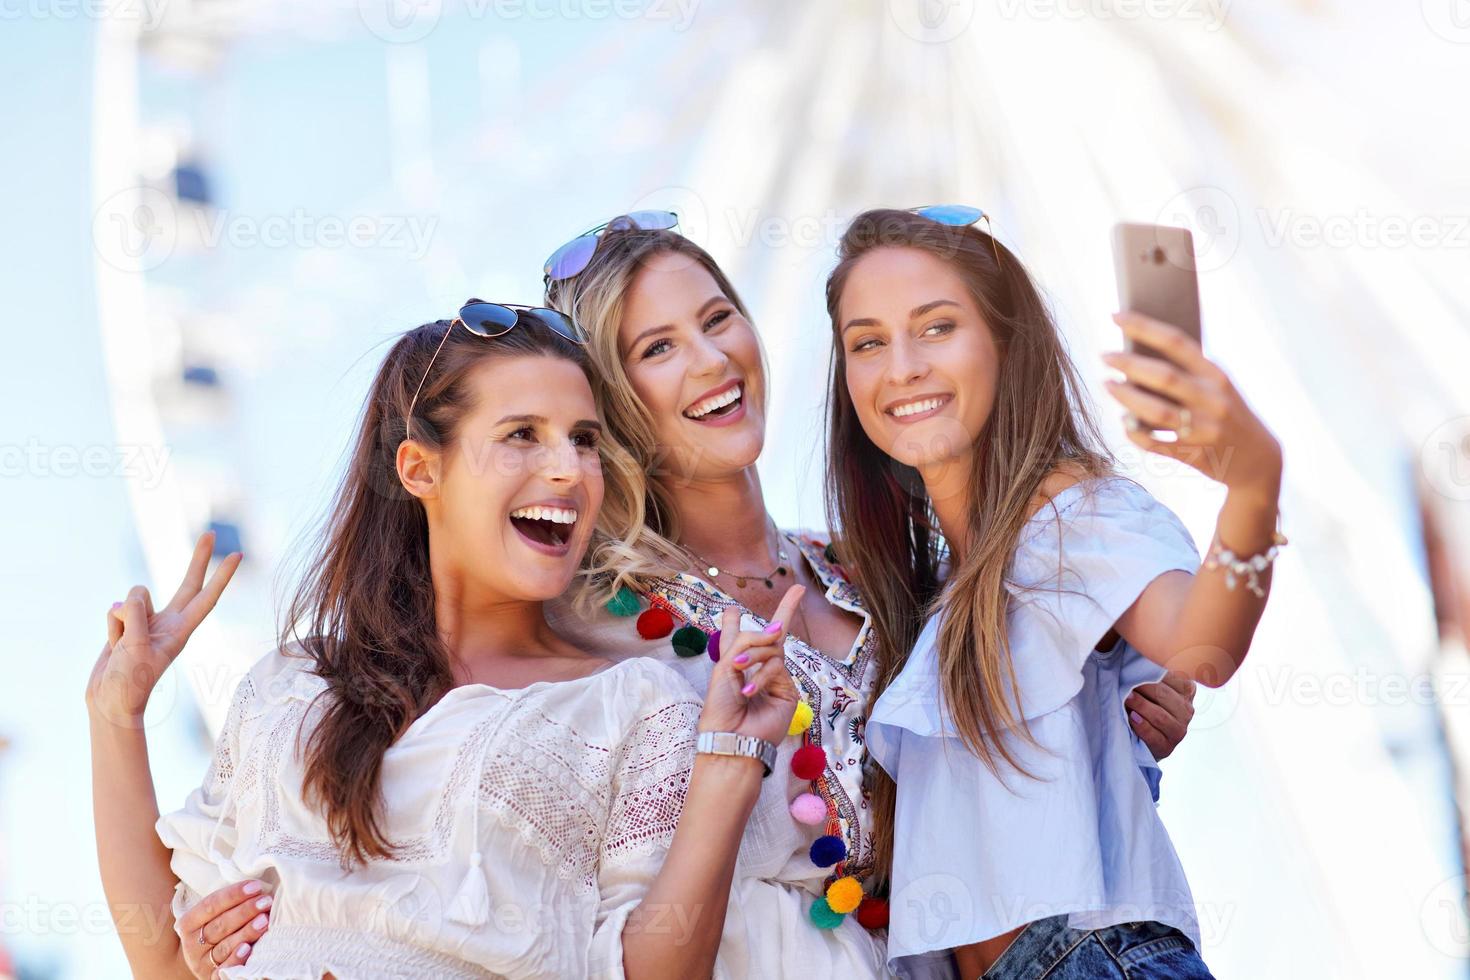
(692, 889)
(136, 877)
(1215, 623)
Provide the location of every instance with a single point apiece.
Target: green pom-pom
(823, 917)
(689, 641)
(830, 553)
(624, 602)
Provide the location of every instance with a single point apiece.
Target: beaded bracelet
(1251, 566)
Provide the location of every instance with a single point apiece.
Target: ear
(418, 469)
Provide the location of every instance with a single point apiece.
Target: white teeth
(556, 515)
(703, 408)
(914, 408)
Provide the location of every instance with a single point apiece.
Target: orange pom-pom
(844, 894)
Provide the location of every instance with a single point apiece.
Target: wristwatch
(733, 743)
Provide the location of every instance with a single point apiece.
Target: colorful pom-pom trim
(873, 913)
(624, 602)
(823, 917)
(689, 641)
(808, 762)
(830, 553)
(801, 720)
(827, 850)
(845, 894)
(655, 624)
(713, 646)
(809, 808)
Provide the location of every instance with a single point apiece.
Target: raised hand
(1216, 431)
(762, 701)
(141, 643)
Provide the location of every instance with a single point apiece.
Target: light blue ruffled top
(977, 854)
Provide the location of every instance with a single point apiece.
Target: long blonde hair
(595, 298)
(889, 541)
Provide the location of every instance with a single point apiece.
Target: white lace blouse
(530, 824)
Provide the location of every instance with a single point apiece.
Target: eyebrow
(712, 301)
(914, 314)
(541, 420)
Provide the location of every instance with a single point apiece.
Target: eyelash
(715, 320)
(946, 324)
(589, 439)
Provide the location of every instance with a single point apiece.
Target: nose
(562, 465)
(707, 358)
(906, 363)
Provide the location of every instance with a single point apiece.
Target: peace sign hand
(762, 703)
(142, 643)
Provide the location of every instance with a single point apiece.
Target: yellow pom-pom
(845, 894)
(802, 720)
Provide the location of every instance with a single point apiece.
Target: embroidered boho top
(530, 823)
(977, 855)
(768, 932)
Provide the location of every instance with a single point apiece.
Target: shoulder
(1098, 526)
(644, 685)
(282, 675)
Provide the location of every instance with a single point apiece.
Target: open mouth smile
(547, 528)
(915, 409)
(723, 404)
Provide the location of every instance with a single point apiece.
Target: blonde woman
(1023, 588)
(425, 779)
(682, 382)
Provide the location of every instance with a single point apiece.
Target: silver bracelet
(1250, 567)
(733, 743)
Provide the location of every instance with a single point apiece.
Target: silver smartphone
(1155, 268)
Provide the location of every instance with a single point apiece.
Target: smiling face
(694, 362)
(518, 490)
(920, 361)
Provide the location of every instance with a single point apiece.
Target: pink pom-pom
(809, 809)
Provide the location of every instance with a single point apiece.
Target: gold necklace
(714, 571)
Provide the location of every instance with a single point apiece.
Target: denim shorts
(1048, 950)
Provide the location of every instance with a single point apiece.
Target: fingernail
(243, 951)
(748, 689)
(774, 627)
(251, 887)
(259, 923)
(743, 659)
(1135, 716)
(264, 902)
(117, 605)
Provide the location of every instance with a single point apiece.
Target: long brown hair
(364, 608)
(595, 299)
(889, 541)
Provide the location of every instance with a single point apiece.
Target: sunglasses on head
(495, 319)
(572, 258)
(958, 216)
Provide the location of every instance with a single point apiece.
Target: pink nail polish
(263, 903)
(259, 923)
(774, 627)
(117, 605)
(1135, 716)
(743, 659)
(748, 689)
(243, 951)
(251, 887)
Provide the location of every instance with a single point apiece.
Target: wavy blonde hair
(595, 298)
